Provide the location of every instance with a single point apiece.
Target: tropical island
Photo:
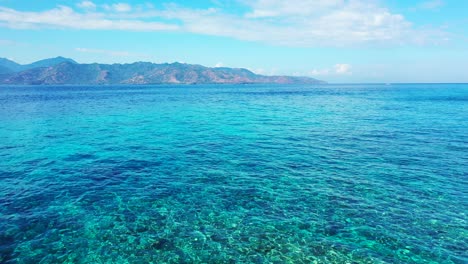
(65, 71)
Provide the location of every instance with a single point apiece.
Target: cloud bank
(306, 23)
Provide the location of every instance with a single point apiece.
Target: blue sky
(333, 40)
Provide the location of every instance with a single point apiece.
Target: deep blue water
(234, 174)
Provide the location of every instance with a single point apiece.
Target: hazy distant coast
(58, 71)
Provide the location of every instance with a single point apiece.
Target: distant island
(65, 71)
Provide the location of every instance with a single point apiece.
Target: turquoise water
(234, 174)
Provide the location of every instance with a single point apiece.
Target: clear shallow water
(234, 174)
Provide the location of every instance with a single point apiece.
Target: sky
(340, 41)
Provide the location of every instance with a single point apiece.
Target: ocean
(234, 174)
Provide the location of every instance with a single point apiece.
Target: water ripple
(234, 174)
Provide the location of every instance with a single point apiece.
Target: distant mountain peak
(50, 62)
(8, 66)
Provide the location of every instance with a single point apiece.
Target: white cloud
(262, 71)
(219, 64)
(86, 5)
(119, 7)
(337, 69)
(343, 69)
(304, 23)
(319, 72)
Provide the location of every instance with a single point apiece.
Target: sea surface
(234, 174)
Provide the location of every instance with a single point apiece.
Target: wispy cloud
(65, 17)
(337, 69)
(86, 5)
(112, 53)
(278, 8)
(299, 23)
(432, 4)
(9, 42)
(119, 7)
(319, 72)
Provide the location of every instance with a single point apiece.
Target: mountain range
(62, 71)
